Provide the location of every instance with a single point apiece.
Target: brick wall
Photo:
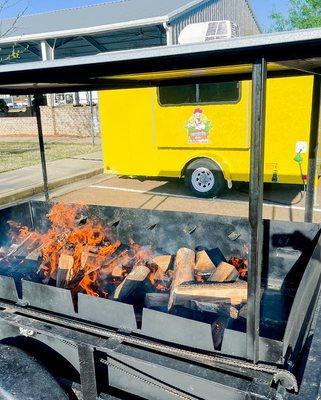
(56, 121)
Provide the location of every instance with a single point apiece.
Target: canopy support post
(313, 149)
(41, 146)
(259, 77)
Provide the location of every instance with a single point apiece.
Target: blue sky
(262, 8)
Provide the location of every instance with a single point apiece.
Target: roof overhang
(84, 31)
(287, 54)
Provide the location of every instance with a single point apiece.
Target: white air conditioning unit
(207, 31)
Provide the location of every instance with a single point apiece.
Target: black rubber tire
(219, 180)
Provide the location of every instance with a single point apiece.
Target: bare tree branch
(14, 53)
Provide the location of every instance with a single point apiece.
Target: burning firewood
(204, 265)
(64, 273)
(224, 273)
(241, 265)
(118, 272)
(35, 254)
(183, 271)
(91, 262)
(163, 262)
(132, 282)
(113, 264)
(233, 293)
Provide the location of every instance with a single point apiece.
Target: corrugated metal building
(118, 25)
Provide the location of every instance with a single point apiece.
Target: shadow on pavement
(280, 194)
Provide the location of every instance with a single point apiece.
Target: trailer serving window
(203, 93)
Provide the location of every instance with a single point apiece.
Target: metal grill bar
(313, 148)
(87, 372)
(259, 77)
(41, 146)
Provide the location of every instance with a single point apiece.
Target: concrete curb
(54, 184)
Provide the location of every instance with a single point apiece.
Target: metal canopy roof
(290, 53)
(83, 31)
(75, 32)
(99, 15)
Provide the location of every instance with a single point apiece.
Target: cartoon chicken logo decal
(199, 127)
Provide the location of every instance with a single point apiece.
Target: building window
(204, 93)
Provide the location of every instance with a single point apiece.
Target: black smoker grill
(103, 346)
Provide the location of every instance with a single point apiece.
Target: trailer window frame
(197, 91)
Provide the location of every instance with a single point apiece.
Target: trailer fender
(11, 334)
(22, 377)
(217, 159)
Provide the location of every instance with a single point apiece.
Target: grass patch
(24, 154)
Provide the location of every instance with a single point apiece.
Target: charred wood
(204, 265)
(132, 282)
(224, 273)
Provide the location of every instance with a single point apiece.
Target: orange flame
(94, 262)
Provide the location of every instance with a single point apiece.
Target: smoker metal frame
(43, 310)
(257, 52)
(259, 79)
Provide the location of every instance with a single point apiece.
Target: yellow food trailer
(202, 132)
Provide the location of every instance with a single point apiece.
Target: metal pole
(256, 207)
(92, 117)
(41, 146)
(313, 149)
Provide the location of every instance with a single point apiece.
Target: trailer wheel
(204, 178)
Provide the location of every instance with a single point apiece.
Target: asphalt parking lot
(281, 202)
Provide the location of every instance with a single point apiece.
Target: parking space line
(120, 189)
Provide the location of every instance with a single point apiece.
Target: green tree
(303, 14)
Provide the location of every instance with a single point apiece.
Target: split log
(117, 272)
(124, 259)
(64, 273)
(91, 262)
(183, 270)
(233, 293)
(163, 262)
(224, 273)
(132, 282)
(204, 265)
(223, 309)
(156, 300)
